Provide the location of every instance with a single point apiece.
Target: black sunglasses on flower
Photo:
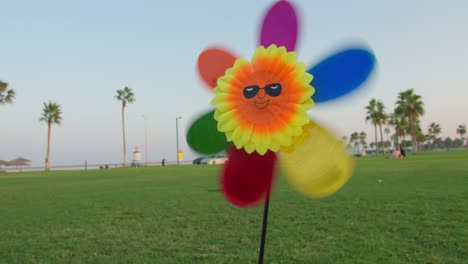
(273, 90)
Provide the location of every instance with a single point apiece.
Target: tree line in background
(404, 120)
(52, 114)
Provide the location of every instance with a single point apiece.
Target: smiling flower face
(262, 104)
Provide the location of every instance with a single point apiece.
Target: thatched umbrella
(19, 162)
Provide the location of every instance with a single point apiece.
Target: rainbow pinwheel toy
(260, 114)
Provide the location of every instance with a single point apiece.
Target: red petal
(246, 177)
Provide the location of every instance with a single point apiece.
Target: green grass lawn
(417, 214)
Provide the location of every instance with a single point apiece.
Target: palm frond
(125, 95)
(51, 113)
(6, 96)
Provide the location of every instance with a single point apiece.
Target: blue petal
(341, 73)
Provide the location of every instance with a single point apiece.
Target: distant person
(396, 154)
(402, 152)
(163, 162)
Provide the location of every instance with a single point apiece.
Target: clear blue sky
(78, 53)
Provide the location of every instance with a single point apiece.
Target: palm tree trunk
(381, 139)
(403, 138)
(47, 160)
(123, 135)
(413, 131)
(375, 137)
(397, 136)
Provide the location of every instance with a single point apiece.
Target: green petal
(204, 138)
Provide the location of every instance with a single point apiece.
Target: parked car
(218, 159)
(133, 164)
(197, 160)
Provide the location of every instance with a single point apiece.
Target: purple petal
(280, 26)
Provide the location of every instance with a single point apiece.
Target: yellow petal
(221, 102)
(308, 104)
(242, 135)
(275, 147)
(319, 166)
(306, 95)
(249, 148)
(226, 121)
(260, 51)
(301, 118)
(228, 135)
(292, 57)
(296, 131)
(301, 67)
(271, 49)
(306, 77)
(262, 140)
(282, 139)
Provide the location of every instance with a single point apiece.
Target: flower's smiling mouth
(262, 105)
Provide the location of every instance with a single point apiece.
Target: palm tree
(393, 120)
(403, 129)
(381, 120)
(410, 104)
(420, 138)
(387, 132)
(362, 139)
(346, 144)
(461, 130)
(354, 139)
(372, 116)
(6, 96)
(394, 138)
(126, 96)
(433, 131)
(400, 125)
(51, 114)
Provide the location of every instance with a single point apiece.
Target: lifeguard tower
(136, 158)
